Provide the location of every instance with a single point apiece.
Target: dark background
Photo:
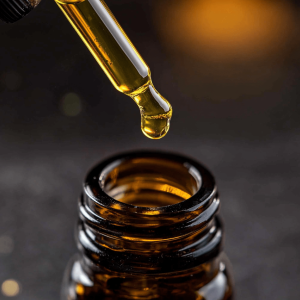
(231, 70)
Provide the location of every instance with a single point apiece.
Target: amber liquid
(140, 182)
(205, 282)
(120, 61)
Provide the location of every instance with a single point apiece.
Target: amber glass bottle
(148, 229)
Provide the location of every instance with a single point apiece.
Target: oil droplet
(156, 112)
(10, 288)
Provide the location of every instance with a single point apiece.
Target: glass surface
(120, 61)
(148, 230)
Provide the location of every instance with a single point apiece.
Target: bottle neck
(178, 230)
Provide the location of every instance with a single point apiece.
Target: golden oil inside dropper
(120, 61)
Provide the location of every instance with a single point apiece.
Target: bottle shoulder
(79, 285)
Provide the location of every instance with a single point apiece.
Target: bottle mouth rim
(108, 227)
(206, 192)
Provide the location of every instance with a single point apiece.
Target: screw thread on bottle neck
(149, 213)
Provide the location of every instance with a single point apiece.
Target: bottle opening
(150, 181)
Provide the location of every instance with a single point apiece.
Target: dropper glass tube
(120, 61)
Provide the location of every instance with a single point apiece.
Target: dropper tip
(156, 112)
(156, 129)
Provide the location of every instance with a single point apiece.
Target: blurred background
(231, 70)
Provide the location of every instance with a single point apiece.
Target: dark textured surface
(245, 131)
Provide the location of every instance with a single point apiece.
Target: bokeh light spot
(227, 29)
(71, 105)
(10, 288)
(6, 244)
